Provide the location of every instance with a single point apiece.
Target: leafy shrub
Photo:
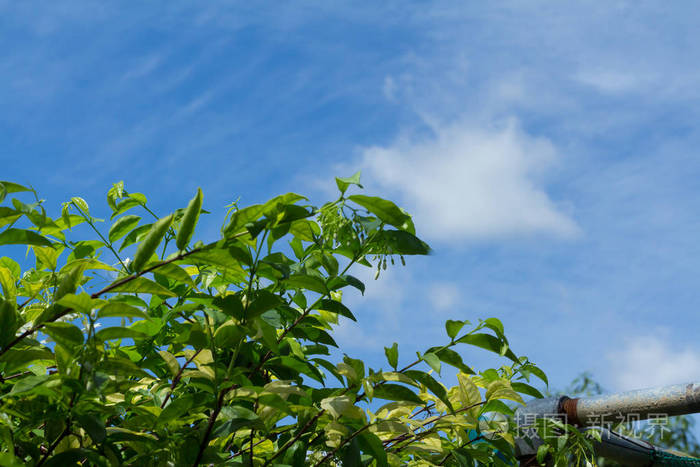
(220, 353)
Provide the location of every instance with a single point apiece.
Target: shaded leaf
(336, 307)
(117, 332)
(66, 334)
(384, 209)
(395, 392)
(143, 285)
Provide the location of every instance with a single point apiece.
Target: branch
(53, 446)
(403, 437)
(210, 424)
(177, 377)
(296, 438)
(345, 441)
(449, 454)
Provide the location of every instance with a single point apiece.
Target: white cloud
(467, 181)
(389, 88)
(351, 335)
(444, 295)
(615, 82)
(649, 361)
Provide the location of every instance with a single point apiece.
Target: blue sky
(548, 150)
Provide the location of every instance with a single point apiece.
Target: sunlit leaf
(22, 237)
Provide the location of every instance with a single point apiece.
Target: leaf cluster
(139, 346)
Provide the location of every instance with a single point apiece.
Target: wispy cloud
(653, 360)
(444, 295)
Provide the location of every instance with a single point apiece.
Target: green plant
(220, 353)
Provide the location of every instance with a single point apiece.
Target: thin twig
(432, 420)
(296, 438)
(210, 424)
(340, 446)
(53, 446)
(177, 377)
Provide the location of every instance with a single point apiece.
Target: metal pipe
(611, 409)
(603, 411)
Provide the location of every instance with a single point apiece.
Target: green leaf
(495, 325)
(7, 281)
(228, 335)
(29, 383)
(395, 392)
(150, 242)
(8, 318)
(12, 265)
(115, 433)
(451, 357)
(241, 218)
(85, 249)
(301, 281)
(8, 215)
(343, 405)
(384, 209)
(115, 193)
(121, 310)
(339, 282)
(117, 332)
(226, 258)
(119, 367)
(524, 388)
(171, 361)
(189, 220)
(86, 264)
(66, 334)
(124, 206)
(453, 327)
(371, 444)
(22, 237)
(399, 242)
(47, 256)
(142, 285)
(236, 417)
(232, 306)
(352, 454)
(81, 203)
(135, 235)
(542, 452)
(432, 360)
(488, 342)
(297, 366)
(345, 182)
(432, 384)
(336, 307)
(17, 358)
(392, 355)
(80, 303)
(176, 408)
(173, 271)
(122, 226)
(11, 187)
(264, 300)
(94, 427)
(305, 229)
